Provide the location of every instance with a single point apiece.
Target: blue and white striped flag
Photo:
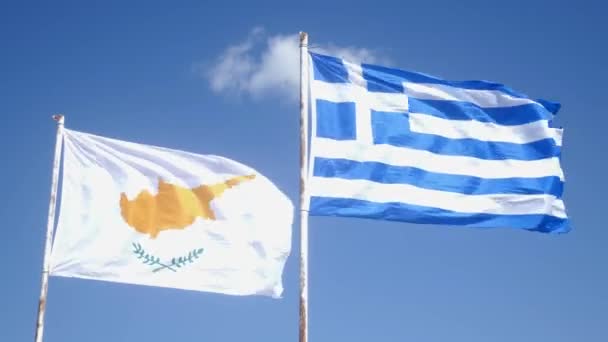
(397, 145)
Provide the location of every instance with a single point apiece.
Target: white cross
(365, 101)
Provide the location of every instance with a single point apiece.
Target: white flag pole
(303, 194)
(49, 229)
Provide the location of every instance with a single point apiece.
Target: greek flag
(398, 145)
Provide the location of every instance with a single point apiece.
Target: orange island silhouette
(173, 207)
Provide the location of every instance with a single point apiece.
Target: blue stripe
(327, 206)
(389, 80)
(551, 106)
(385, 79)
(468, 185)
(456, 110)
(329, 69)
(394, 129)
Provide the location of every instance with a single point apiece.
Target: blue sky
(219, 79)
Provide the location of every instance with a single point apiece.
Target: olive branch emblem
(173, 265)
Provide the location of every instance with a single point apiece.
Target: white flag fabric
(147, 215)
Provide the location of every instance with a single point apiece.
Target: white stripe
(485, 131)
(348, 92)
(501, 204)
(313, 122)
(559, 136)
(457, 165)
(482, 98)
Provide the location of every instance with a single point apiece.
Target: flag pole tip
(59, 118)
(303, 38)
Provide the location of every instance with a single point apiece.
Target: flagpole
(49, 229)
(303, 194)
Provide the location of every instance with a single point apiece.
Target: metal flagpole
(303, 195)
(49, 229)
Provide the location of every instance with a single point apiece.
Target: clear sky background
(222, 79)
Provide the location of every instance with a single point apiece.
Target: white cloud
(352, 54)
(269, 65)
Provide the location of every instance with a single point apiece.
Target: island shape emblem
(174, 206)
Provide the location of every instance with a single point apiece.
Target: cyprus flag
(148, 215)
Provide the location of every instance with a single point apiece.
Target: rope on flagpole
(303, 194)
(49, 229)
